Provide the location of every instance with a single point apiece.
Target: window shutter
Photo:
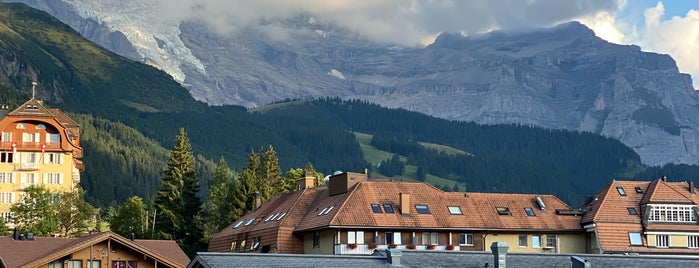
(46, 158)
(46, 178)
(36, 137)
(60, 178)
(59, 158)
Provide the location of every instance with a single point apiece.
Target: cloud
(405, 22)
(677, 36)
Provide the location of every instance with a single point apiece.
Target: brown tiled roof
(608, 211)
(32, 107)
(64, 119)
(353, 209)
(33, 253)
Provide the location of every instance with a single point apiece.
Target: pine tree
(220, 209)
(271, 181)
(246, 189)
(177, 204)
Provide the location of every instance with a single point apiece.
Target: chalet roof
(42, 250)
(32, 107)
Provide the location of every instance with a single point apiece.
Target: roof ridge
(604, 198)
(351, 193)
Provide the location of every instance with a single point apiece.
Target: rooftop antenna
(33, 88)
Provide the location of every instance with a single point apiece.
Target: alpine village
(107, 162)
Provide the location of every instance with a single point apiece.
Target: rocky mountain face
(562, 77)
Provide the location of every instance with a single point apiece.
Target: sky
(667, 27)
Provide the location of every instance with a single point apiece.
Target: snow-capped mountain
(563, 77)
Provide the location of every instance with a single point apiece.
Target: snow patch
(337, 74)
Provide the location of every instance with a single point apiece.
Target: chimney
(404, 203)
(15, 234)
(578, 262)
(663, 178)
(306, 181)
(341, 183)
(258, 199)
(691, 187)
(393, 255)
(499, 250)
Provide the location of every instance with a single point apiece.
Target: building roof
(42, 250)
(424, 258)
(621, 206)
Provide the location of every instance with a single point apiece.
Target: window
(693, 241)
(6, 198)
(388, 208)
(53, 178)
(40, 126)
(269, 217)
(94, 264)
(422, 209)
(29, 179)
(56, 264)
(6, 216)
(281, 216)
(670, 213)
(355, 237)
(238, 224)
(376, 208)
(249, 221)
(53, 158)
(503, 211)
(523, 240)
(530, 212)
(316, 239)
(430, 238)
(53, 137)
(662, 241)
(6, 157)
(75, 264)
(455, 210)
(638, 190)
(29, 158)
(536, 241)
(466, 239)
(123, 264)
(328, 210)
(7, 177)
(7, 136)
(21, 126)
(635, 239)
(30, 137)
(621, 191)
(393, 238)
(632, 211)
(551, 241)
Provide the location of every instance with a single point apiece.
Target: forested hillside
(130, 112)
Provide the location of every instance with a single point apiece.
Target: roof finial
(33, 88)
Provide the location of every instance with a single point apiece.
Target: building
(104, 249)
(357, 215)
(39, 146)
(645, 217)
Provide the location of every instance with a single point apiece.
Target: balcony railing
(29, 166)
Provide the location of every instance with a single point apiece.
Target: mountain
(563, 77)
(130, 113)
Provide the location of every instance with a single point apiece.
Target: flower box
(410, 246)
(430, 246)
(392, 245)
(450, 247)
(351, 246)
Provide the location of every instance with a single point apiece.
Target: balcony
(29, 166)
(344, 249)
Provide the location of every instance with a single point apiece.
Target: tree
(220, 210)
(130, 219)
(318, 180)
(270, 183)
(246, 189)
(177, 204)
(290, 181)
(35, 212)
(73, 213)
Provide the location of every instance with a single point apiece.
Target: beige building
(38, 146)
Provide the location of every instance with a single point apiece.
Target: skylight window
(281, 216)
(632, 211)
(328, 210)
(621, 191)
(504, 211)
(275, 216)
(388, 208)
(635, 239)
(639, 190)
(422, 209)
(269, 217)
(454, 210)
(322, 211)
(249, 221)
(530, 212)
(238, 224)
(376, 208)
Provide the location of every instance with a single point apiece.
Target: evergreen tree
(177, 204)
(244, 198)
(130, 218)
(35, 212)
(318, 180)
(271, 181)
(73, 213)
(220, 210)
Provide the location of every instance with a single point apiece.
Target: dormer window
(672, 213)
(504, 211)
(621, 191)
